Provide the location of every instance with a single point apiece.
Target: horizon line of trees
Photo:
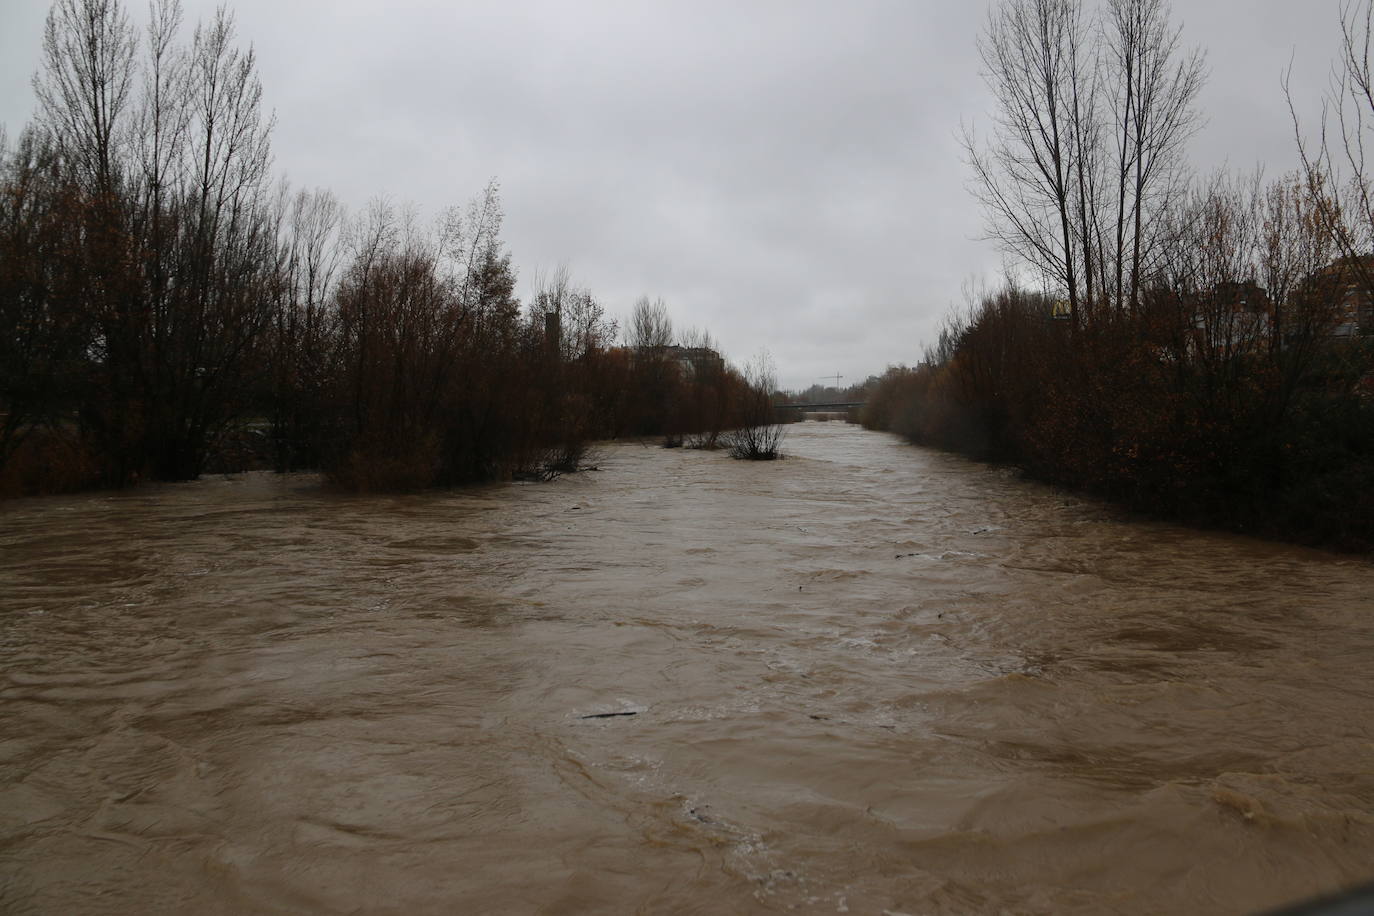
(1194, 347)
(167, 307)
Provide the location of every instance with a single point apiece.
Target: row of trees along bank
(167, 308)
(1203, 350)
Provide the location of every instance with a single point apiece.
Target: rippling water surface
(866, 679)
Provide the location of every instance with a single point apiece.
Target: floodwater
(867, 679)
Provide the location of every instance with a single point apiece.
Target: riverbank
(1275, 443)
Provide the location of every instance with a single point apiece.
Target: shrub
(759, 433)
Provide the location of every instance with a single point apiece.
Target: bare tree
(163, 118)
(1028, 177)
(45, 326)
(650, 327)
(581, 322)
(1154, 85)
(1250, 292)
(304, 322)
(1295, 243)
(84, 86)
(218, 305)
(706, 393)
(1085, 152)
(178, 237)
(1336, 165)
(469, 241)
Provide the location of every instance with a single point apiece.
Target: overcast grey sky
(784, 173)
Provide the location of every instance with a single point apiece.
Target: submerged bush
(760, 433)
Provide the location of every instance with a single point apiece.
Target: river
(869, 678)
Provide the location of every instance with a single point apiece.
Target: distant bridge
(838, 405)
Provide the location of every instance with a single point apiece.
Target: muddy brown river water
(867, 679)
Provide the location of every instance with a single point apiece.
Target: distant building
(1354, 306)
(1237, 317)
(691, 360)
(697, 360)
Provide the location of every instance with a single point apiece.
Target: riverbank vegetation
(1195, 347)
(167, 307)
